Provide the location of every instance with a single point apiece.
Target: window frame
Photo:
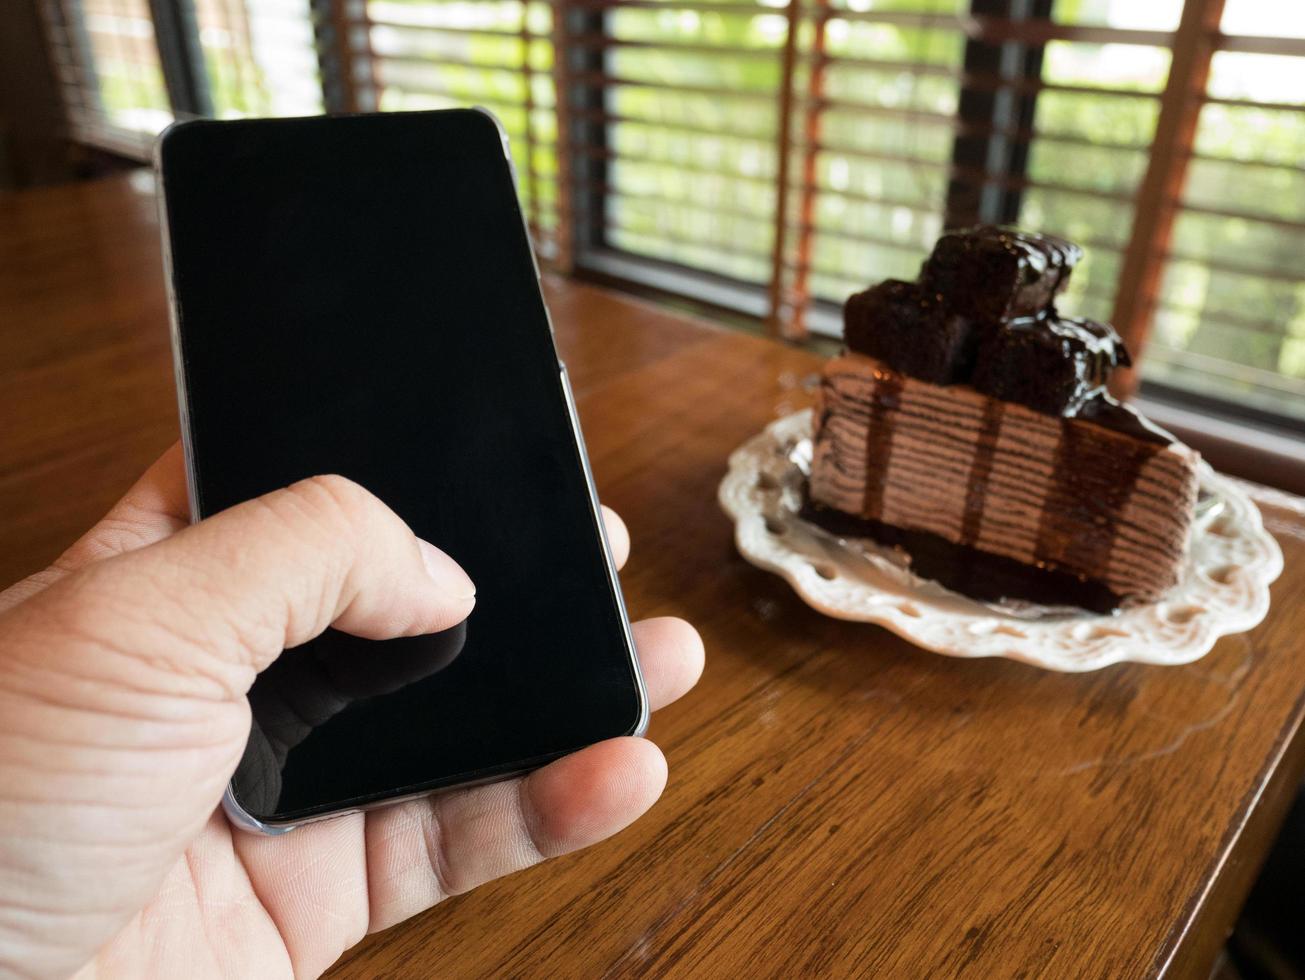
(1000, 82)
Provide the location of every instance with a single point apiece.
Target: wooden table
(840, 803)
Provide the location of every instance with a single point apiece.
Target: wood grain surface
(840, 803)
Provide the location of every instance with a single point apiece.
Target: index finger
(617, 536)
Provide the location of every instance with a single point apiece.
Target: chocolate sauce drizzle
(976, 483)
(885, 398)
(1091, 481)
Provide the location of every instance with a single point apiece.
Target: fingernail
(447, 573)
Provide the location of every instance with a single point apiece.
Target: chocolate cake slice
(988, 448)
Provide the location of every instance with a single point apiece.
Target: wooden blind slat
(565, 238)
(813, 107)
(778, 317)
(824, 130)
(1162, 185)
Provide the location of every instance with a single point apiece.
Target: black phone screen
(357, 296)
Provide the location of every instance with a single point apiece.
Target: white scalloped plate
(1224, 585)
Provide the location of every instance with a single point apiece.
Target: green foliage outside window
(692, 176)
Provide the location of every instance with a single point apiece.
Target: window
(495, 53)
(772, 156)
(1230, 306)
(260, 58)
(107, 58)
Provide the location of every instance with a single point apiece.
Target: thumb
(203, 611)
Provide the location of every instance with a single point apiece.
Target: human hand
(123, 674)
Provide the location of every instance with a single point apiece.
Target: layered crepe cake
(967, 422)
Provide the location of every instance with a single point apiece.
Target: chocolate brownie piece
(911, 330)
(994, 274)
(1051, 364)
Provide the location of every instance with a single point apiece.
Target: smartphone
(358, 295)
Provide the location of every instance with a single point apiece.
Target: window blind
(1227, 305)
(260, 57)
(106, 58)
(772, 156)
(497, 54)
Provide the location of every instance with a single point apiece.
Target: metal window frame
(992, 113)
(70, 49)
(986, 176)
(584, 89)
(181, 57)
